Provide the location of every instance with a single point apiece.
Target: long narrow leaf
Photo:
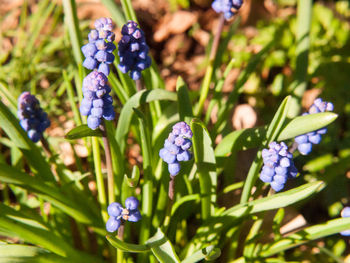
(206, 167)
(28, 254)
(117, 243)
(184, 102)
(81, 132)
(11, 175)
(162, 249)
(208, 253)
(306, 235)
(71, 21)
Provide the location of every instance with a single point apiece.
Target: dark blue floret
(117, 213)
(228, 7)
(133, 50)
(32, 118)
(306, 141)
(97, 103)
(278, 165)
(176, 147)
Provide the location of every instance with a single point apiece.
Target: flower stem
(110, 176)
(171, 193)
(99, 178)
(138, 84)
(46, 146)
(171, 188)
(210, 68)
(49, 153)
(293, 147)
(120, 254)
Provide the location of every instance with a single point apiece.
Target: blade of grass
(71, 21)
(299, 85)
(117, 14)
(72, 99)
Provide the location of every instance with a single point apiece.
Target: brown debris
(176, 23)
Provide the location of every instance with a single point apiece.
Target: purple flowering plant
(161, 167)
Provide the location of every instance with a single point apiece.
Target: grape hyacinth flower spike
(32, 118)
(98, 52)
(228, 7)
(305, 141)
(133, 51)
(176, 147)
(97, 103)
(176, 150)
(278, 165)
(118, 214)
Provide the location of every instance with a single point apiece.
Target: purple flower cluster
(32, 118)
(305, 141)
(117, 213)
(133, 51)
(98, 52)
(97, 102)
(278, 165)
(345, 213)
(228, 7)
(176, 147)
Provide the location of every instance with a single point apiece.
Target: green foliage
(52, 211)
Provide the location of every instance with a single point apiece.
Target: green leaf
(117, 243)
(217, 97)
(253, 137)
(115, 11)
(14, 225)
(213, 227)
(184, 102)
(82, 131)
(72, 23)
(14, 131)
(10, 253)
(278, 120)
(306, 235)
(49, 193)
(133, 180)
(128, 10)
(300, 82)
(117, 158)
(9, 96)
(277, 200)
(206, 167)
(71, 98)
(141, 97)
(162, 249)
(118, 88)
(208, 253)
(147, 187)
(305, 124)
